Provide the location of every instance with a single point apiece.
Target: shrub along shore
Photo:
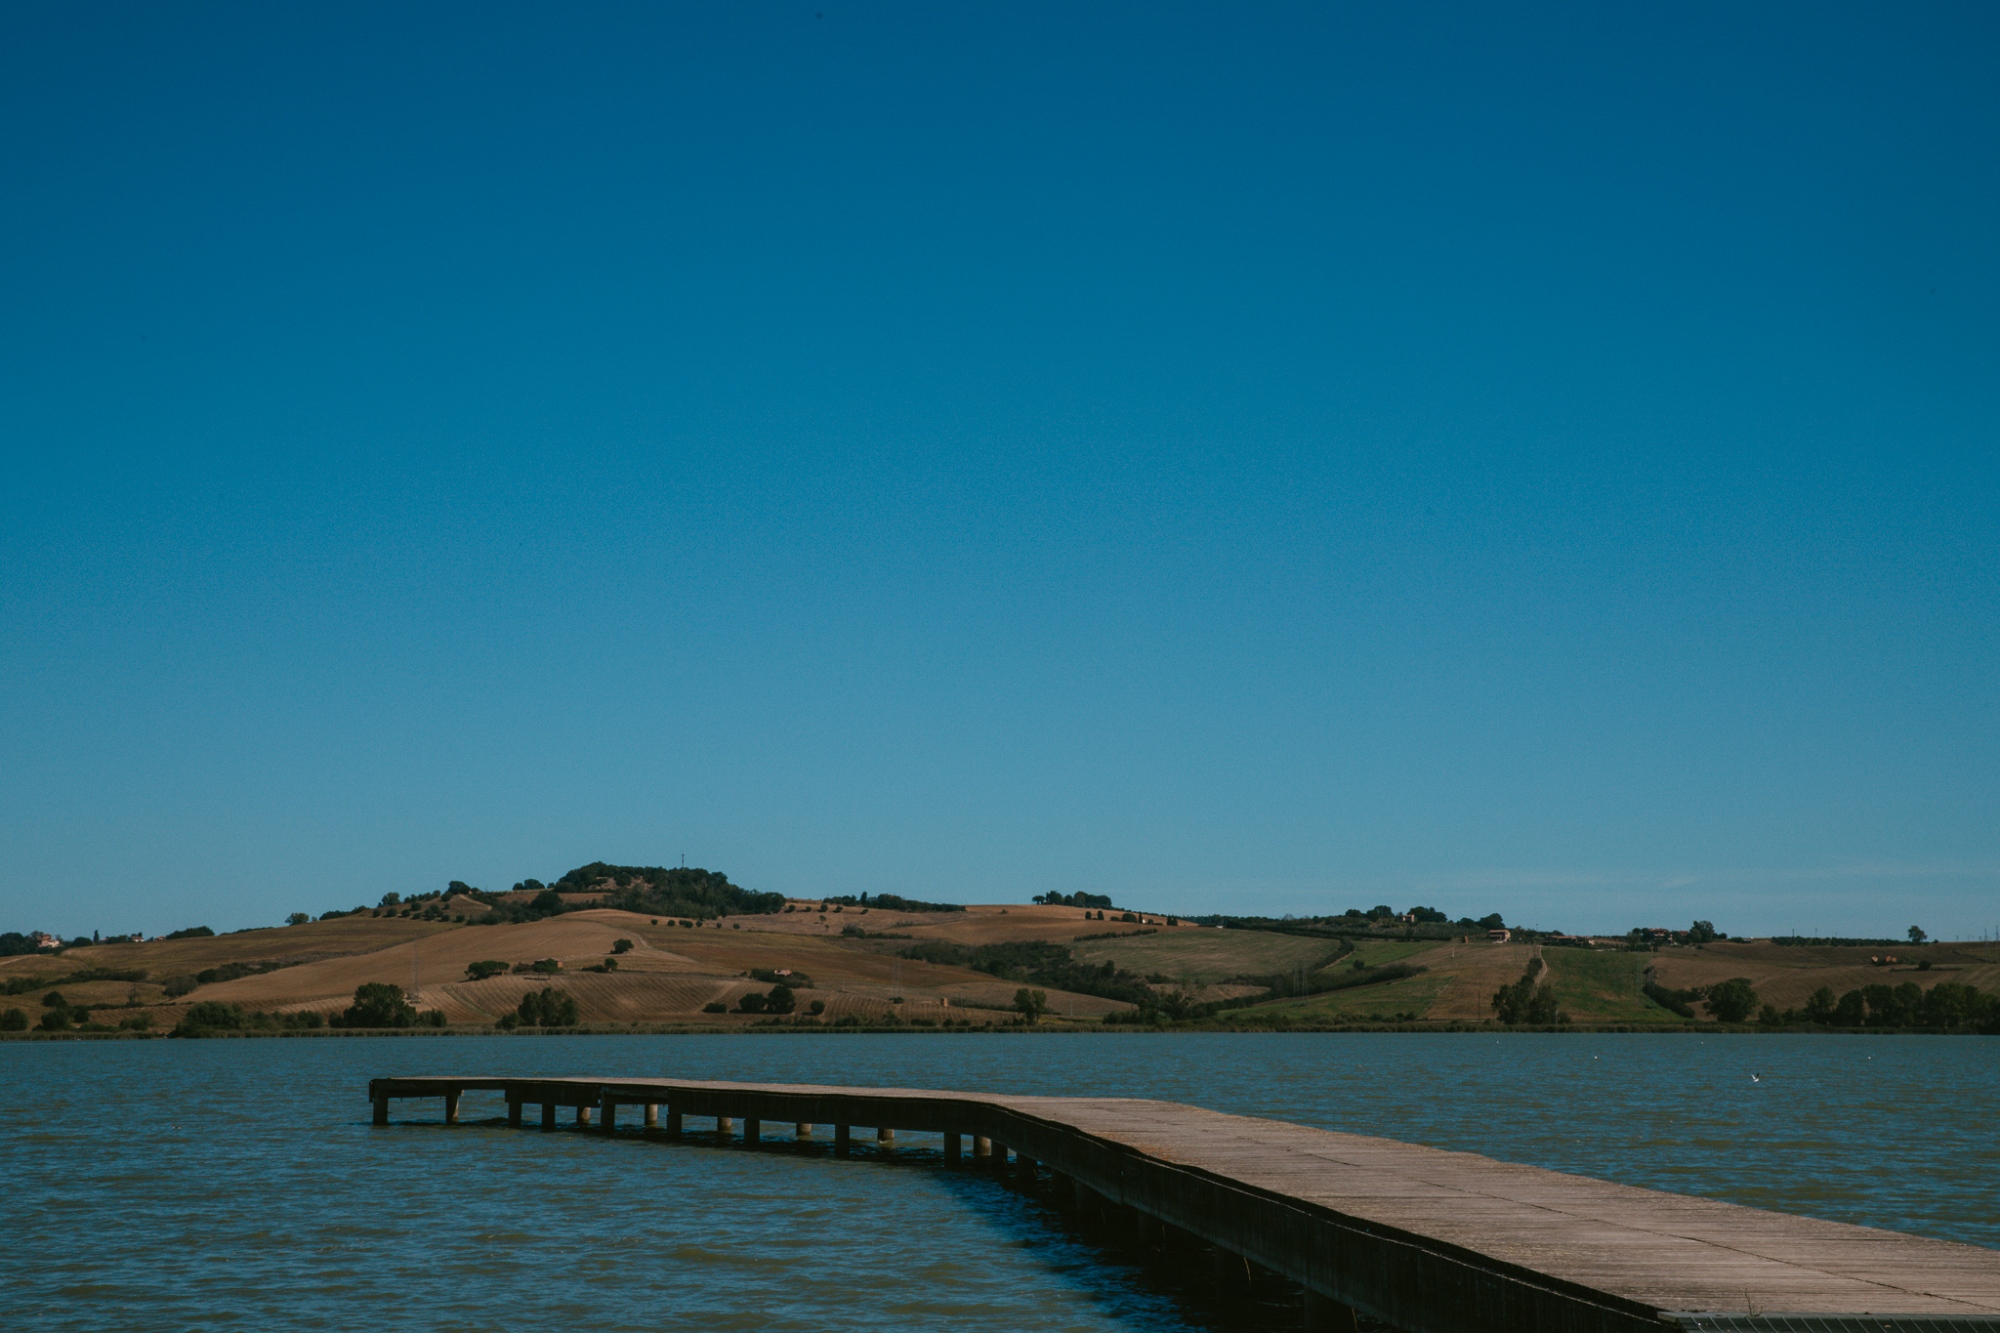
(381, 1009)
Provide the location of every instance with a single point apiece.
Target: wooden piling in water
(1323, 1314)
(1089, 1206)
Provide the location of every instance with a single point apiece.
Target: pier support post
(753, 1131)
(381, 1110)
(999, 1159)
(451, 1106)
(548, 1117)
(1025, 1165)
(885, 1137)
(513, 1114)
(583, 1116)
(725, 1127)
(802, 1130)
(841, 1143)
(1326, 1315)
(673, 1123)
(981, 1147)
(951, 1149)
(652, 1115)
(1155, 1239)
(609, 1110)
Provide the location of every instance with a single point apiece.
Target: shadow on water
(1122, 1271)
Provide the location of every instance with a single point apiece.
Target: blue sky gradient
(1260, 459)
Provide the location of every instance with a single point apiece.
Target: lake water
(195, 1185)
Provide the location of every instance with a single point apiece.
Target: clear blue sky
(1248, 458)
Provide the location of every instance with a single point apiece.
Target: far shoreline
(1009, 1030)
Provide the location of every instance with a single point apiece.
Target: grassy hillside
(1603, 987)
(1201, 957)
(623, 968)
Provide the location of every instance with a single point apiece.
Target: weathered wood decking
(1428, 1240)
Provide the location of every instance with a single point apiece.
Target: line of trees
(1528, 1000)
(548, 1007)
(213, 1018)
(1040, 963)
(1949, 1005)
(670, 891)
(1091, 900)
(893, 902)
(778, 1000)
(380, 1004)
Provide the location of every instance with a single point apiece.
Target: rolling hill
(628, 969)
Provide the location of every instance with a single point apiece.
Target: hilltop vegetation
(890, 902)
(700, 894)
(676, 891)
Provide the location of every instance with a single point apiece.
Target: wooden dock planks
(1430, 1240)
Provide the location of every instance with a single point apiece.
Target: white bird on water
(1755, 1079)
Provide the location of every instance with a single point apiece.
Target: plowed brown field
(161, 959)
(668, 976)
(1475, 972)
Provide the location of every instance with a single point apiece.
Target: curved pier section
(1427, 1240)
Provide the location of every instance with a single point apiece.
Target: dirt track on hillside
(1477, 970)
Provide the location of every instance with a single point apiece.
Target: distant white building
(44, 940)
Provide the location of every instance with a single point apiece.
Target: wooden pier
(1427, 1240)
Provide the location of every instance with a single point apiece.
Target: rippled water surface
(185, 1185)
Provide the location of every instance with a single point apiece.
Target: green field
(1386, 1002)
(1201, 957)
(1375, 953)
(1594, 987)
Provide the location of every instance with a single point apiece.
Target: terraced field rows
(621, 997)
